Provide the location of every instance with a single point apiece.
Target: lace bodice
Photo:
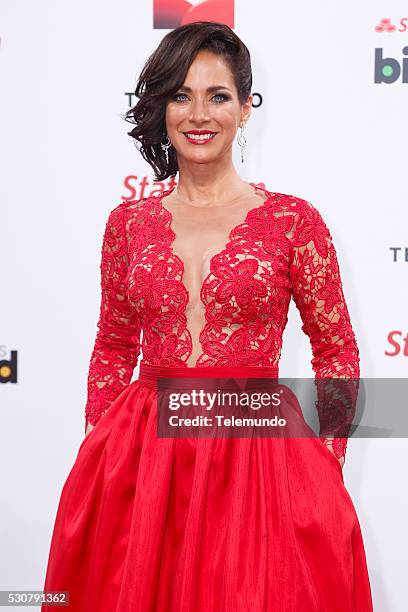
(282, 249)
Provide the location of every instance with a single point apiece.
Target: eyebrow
(209, 89)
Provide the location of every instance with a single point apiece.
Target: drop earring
(166, 146)
(242, 141)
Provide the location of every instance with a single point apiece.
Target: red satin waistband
(148, 374)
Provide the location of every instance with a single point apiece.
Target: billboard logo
(389, 69)
(8, 369)
(169, 14)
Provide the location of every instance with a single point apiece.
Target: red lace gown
(180, 525)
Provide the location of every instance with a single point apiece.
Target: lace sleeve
(318, 294)
(117, 344)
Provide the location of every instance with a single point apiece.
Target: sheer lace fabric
(224, 304)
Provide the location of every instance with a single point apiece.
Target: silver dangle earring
(166, 146)
(242, 141)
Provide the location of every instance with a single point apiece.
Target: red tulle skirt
(203, 524)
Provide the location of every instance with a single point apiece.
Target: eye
(180, 95)
(177, 96)
(223, 96)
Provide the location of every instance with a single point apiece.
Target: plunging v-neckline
(169, 219)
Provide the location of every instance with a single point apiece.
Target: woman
(207, 268)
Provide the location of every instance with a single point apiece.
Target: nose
(199, 111)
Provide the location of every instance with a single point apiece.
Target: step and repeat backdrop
(328, 124)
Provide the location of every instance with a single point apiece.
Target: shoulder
(306, 215)
(306, 228)
(128, 206)
(125, 211)
(291, 203)
(133, 223)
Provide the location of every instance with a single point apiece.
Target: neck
(201, 184)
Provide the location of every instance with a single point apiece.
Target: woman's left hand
(329, 445)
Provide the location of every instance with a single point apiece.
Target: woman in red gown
(198, 277)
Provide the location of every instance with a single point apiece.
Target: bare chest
(202, 233)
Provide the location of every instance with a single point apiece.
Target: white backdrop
(324, 132)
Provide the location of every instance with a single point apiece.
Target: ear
(246, 110)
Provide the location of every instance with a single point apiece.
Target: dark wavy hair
(165, 71)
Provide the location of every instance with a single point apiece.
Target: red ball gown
(146, 523)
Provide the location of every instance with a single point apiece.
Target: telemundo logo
(389, 69)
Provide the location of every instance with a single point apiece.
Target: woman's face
(216, 110)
